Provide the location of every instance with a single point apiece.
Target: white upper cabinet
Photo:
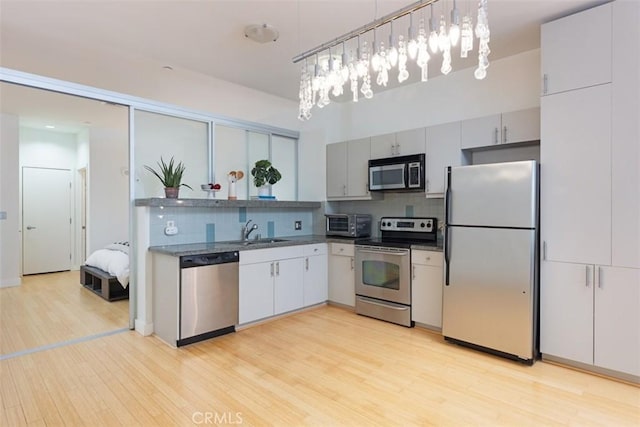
(575, 176)
(383, 146)
(398, 144)
(481, 132)
(625, 135)
(443, 149)
(337, 170)
(348, 170)
(505, 128)
(576, 50)
(521, 126)
(410, 142)
(358, 155)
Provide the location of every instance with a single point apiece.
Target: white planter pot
(265, 190)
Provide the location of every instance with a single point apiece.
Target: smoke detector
(261, 33)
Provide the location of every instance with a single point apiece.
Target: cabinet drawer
(270, 254)
(432, 258)
(344, 249)
(315, 249)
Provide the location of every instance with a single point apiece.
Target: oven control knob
(423, 225)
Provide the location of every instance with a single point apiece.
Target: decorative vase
(232, 191)
(171, 192)
(265, 190)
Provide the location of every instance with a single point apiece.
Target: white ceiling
(206, 36)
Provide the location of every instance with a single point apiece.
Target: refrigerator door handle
(447, 251)
(447, 209)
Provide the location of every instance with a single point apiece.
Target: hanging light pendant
(328, 78)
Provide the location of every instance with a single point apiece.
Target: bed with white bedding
(106, 272)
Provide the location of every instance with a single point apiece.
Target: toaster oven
(348, 225)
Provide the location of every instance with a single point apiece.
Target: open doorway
(72, 155)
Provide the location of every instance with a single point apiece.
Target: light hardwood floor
(325, 366)
(54, 307)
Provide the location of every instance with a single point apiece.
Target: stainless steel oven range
(383, 268)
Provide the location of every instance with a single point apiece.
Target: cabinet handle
(341, 249)
(600, 277)
(545, 84)
(278, 268)
(428, 258)
(544, 251)
(587, 274)
(398, 148)
(306, 264)
(413, 273)
(344, 190)
(271, 269)
(495, 136)
(353, 265)
(504, 135)
(427, 183)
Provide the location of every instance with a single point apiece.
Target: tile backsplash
(196, 225)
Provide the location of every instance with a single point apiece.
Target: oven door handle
(392, 307)
(402, 253)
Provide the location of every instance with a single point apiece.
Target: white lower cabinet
(278, 280)
(255, 299)
(591, 314)
(426, 287)
(341, 274)
(315, 274)
(288, 293)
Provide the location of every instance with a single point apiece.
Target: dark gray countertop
(223, 203)
(209, 248)
(216, 247)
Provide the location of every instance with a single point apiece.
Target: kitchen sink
(256, 241)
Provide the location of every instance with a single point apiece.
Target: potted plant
(264, 174)
(170, 175)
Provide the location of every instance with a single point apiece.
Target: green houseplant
(264, 174)
(170, 175)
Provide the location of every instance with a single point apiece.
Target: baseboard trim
(10, 283)
(592, 369)
(144, 329)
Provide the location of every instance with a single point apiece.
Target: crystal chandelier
(321, 79)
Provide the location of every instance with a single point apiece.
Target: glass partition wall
(209, 147)
(238, 149)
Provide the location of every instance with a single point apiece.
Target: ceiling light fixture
(318, 77)
(261, 33)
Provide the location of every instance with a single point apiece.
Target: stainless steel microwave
(348, 225)
(400, 173)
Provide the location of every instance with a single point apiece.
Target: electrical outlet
(171, 229)
(297, 225)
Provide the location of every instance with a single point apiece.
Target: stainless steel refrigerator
(490, 295)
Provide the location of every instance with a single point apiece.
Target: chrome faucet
(246, 230)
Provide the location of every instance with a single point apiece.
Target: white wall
(511, 84)
(10, 243)
(108, 204)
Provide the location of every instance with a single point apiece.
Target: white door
(46, 220)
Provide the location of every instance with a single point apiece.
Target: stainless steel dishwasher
(208, 296)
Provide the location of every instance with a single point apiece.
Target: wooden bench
(102, 284)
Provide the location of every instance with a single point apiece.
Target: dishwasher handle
(189, 261)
